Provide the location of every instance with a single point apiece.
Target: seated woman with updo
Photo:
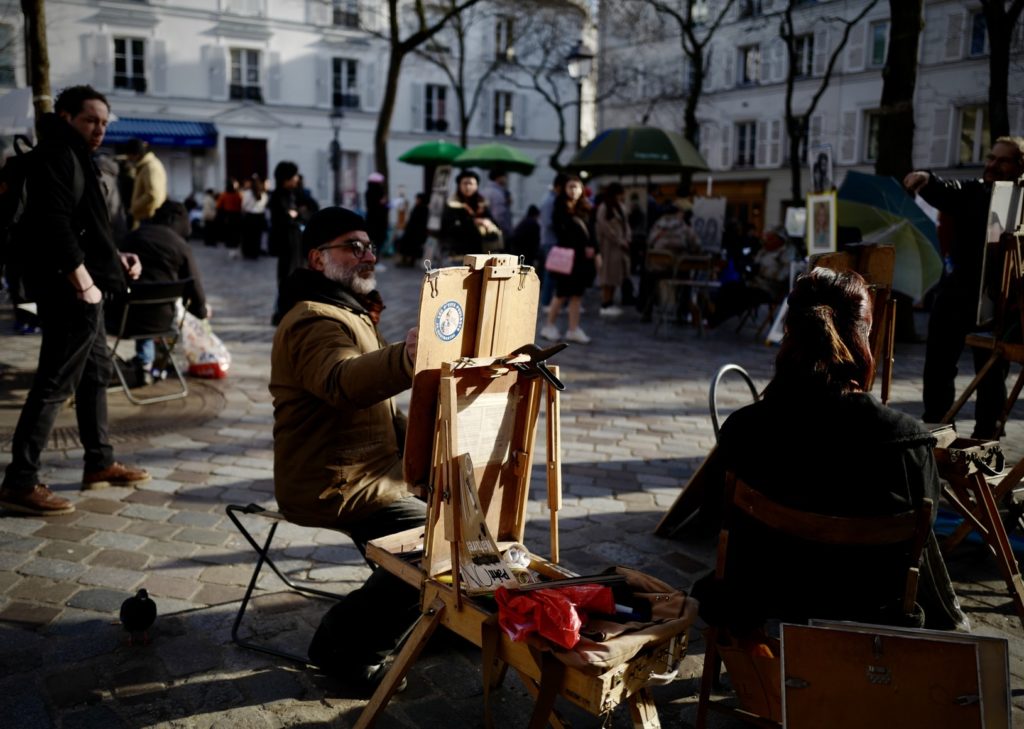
(818, 442)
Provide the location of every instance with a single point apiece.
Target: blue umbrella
(885, 213)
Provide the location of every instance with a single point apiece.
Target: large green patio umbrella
(432, 153)
(638, 151)
(495, 156)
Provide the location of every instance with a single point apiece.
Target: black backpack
(14, 198)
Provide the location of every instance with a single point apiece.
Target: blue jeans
(367, 626)
(145, 352)
(73, 360)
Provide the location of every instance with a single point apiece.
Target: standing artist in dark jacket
(285, 239)
(954, 312)
(72, 266)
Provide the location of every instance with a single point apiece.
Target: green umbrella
(638, 151)
(495, 157)
(432, 153)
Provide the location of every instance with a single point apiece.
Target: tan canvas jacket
(333, 379)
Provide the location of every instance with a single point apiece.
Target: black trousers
(365, 627)
(73, 360)
(953, 317)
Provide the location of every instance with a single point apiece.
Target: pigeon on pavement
(137, 615)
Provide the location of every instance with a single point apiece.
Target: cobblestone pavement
(634, 426)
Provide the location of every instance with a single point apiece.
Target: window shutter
(103, 64)
(821, 51)
(371, 84)
(273, 77)
(324, 69)
(775, 144)
(762, 144)
(780, 62)
(416, 93)
(216, 61)
(848, 138)
(157, 66)
(729, 69)
(489, 42)
(520, 115)
(726, 146)
(939, 153)
(955, 36)
(325, 178)
(708, 138)
(816, 130)
(855, 48)
(484, 115)
(319, 12)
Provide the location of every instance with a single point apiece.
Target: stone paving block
(164, 485)
(340, 573)
(9, 561)
(227, 575)
(99, 505)
(20, 525)
(70, 551)
(171, 605)
(153, 530)
(54, 569)
(197, 519)
(8, 580)
(209, 537)
(19, 544)
(150, 498)
(170, 549)
(103, 522)
(218, 594)
(164, 586)
(184, 476)
(189, 654)
(147, 513)
(38, 589)
(65, 532)
(113, 577)
(74, 687)
(24, 709)
(99, 716)
(118, 540)
(28, 615)
(120, 558)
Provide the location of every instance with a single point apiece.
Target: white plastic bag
(206, 354)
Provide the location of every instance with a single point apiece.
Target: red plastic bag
(555, 613)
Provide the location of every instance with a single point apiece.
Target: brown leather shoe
(39, 501)
(116, 474)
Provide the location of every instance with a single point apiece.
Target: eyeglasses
(358, 247)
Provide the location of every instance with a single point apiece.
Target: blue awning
(163, 133)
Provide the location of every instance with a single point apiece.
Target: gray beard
(349, 277)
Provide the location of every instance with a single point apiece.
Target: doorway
(245, 157)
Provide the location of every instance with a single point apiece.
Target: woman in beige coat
(613, 236)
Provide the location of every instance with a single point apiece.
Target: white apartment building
(231, 87)
(742, 109)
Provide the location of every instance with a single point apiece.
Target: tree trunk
(998, 87)
(387, 111)
(896, 112)
(796, 132)
(37, 60)
(691, 127)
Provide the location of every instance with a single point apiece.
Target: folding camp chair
(147, 312)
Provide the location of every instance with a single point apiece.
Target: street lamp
(579, 64)
(336, 117)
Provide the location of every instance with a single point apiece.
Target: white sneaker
(576, 335)
(550, 332)
(610, 311)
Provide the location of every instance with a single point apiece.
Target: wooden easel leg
(948, 417)
(425, 627)
(708, 676)
(1000, 544)
(1011, 400)
(889, 349)
(553, 717)
(642, 710)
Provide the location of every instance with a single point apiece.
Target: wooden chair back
(757, 680)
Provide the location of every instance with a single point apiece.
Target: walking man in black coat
(72, 266)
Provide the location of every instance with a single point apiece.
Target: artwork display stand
(477, 394)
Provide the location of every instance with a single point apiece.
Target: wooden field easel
(1009, 314)
(473, 424)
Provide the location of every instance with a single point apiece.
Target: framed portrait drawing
(821, 223)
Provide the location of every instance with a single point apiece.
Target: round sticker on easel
(448, 321)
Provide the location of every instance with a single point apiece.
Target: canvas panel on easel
(489, 304)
